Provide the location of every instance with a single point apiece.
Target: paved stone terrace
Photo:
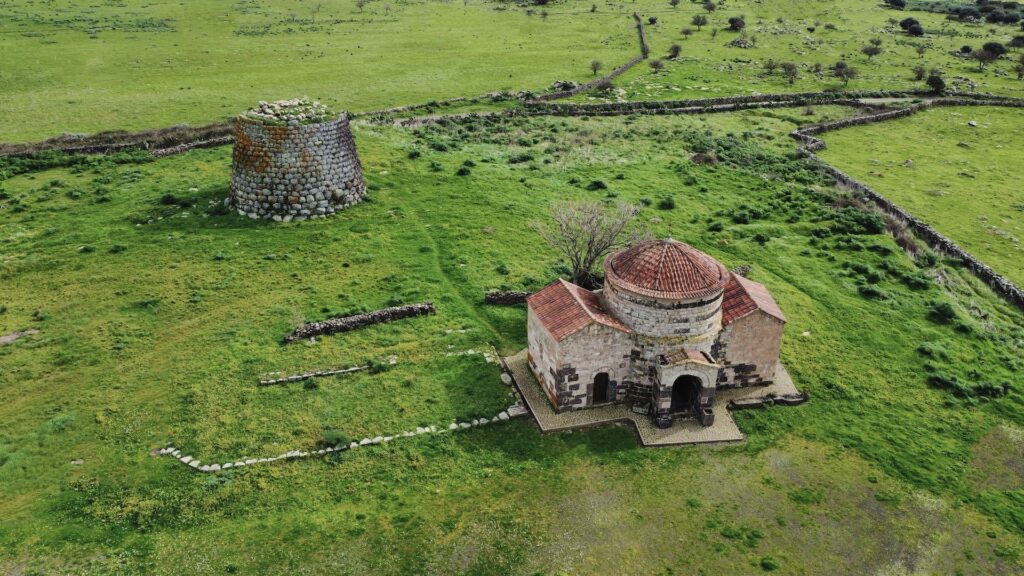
(687, 431)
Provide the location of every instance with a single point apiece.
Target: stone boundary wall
(506, 297)
(644, 51)
(810, 143)
(116, 141)
(294, 171)
(808, 98)
(336, 325)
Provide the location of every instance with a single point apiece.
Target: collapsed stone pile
(284, 112)
(290, 162)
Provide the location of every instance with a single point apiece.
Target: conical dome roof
(666, 269)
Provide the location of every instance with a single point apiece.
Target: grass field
(134, 65)
(962, 179)
(781, 31)
(163, 338)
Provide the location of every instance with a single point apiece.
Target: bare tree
(770, 65)
(595, 65)
(790, 71)
(983, 57)
(686, 32)
(921, 49)
(844, 72)
(585, 232)
(315, 9)
(360, 4)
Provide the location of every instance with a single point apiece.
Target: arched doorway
(600, 388)
(685, 393)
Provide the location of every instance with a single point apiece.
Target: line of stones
(314, 374)
(810, 143)
(514, 411)
(392, 360)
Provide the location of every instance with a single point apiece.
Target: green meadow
(127, 64)
(154, 311)
(157, 316)
(964, 180)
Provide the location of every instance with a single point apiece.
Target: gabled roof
(666, 269)
(744, 296)
(564, 309)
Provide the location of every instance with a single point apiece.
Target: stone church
(670, 327)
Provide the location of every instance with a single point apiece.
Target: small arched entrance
(600, 395)
(685, 394)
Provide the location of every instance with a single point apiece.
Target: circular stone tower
(292, 161)
(667, 292)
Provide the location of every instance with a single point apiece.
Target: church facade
(670, 327)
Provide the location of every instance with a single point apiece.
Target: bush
(941, 312)
(906, 23)
(736, 23)
(463, 171)
(716, 227)
(414, 154)
(596, 185)
(870, 291)
(667, 203)
(916, 30)
(335, 437)
(768, 564)
(994, 47)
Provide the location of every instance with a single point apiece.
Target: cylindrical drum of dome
(292, 161)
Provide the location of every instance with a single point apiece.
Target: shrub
(667, 203)
(916, 30)
(768, 564)
(596, 185)
(736, 23)
(870, 291)
(333, 437)
(463, 171)
(995, 48)
(941, 312)
(414, 154)
(716, 227)
(906, 23)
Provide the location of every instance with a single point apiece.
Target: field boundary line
(810, 143)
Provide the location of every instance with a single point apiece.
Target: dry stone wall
(336, 325)
(811, 143)
(295, 171)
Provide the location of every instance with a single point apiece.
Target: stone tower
(293, 161)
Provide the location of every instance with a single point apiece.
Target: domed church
(669, 328)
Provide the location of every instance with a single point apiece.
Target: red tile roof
(564, 308)
(743, 296)
(666, 269)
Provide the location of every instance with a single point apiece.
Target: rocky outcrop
(347, 323)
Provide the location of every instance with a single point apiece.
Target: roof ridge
(576, 296)
(661, 262)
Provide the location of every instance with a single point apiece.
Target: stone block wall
(697, 320)
(587, 353)
(296, 171)
(748, 350)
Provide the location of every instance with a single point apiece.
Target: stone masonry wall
(296, 171)
(748, 350)
(585, 354)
